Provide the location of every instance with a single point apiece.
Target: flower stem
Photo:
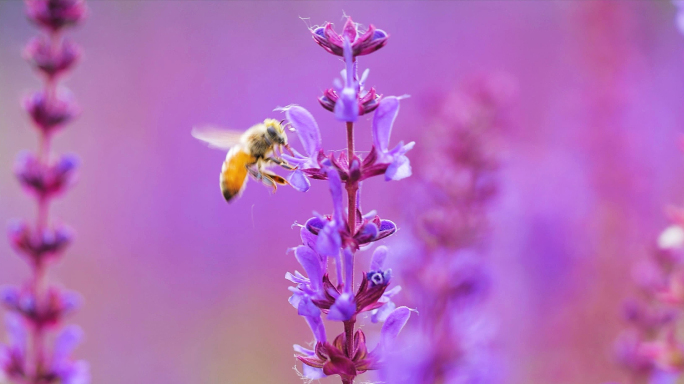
(352, 187)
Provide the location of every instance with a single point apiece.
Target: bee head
(276, 133)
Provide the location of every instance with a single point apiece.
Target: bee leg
(282, 163)
(270, 178)
(266, 178)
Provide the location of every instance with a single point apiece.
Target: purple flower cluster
(443, 269)
(650, 349)
(342, 233)
(38, 307)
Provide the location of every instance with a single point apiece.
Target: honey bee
(249, 152)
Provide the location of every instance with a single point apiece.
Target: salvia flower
(362, 42)
(334, 232)
(442, 267)
(39, 307)
(50, 60)
(56, 14)
(392, 163)
(45, 180)
(63, 367)
(13, 356)
(39, 245)
(649, 350)
(334, 358)
(350, 100)
(343, 232)
(50, 113)
(47, 310)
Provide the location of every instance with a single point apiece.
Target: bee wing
(218, 138)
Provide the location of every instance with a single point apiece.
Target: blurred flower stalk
(651, 349)
(38, 307)
(340, 235)
(444, 269)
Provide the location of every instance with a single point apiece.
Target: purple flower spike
(362, 42)
(399, 165)
(52, 62)
(347, 106)
(50, 114)
(43, 307)
(56, 14)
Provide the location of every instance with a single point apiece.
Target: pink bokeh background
(180, 287)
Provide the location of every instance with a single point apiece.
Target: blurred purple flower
(52, 61)
(56, 14)
(362, 42)
(44, 180)
(39, 305)
(38, 246)
(49, 113)
(679, 4)
(13, 356)
(63, 367)
(44, 311)
(350, 100)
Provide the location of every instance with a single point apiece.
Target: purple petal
(317, 327)
(393, 324)
(66, 342)
(312, 373)
(299, 181)
(383, 120)
(347, 106)
(312, 265)
(315, 225)
(308, 238)
(335, 185)
(343, 309)
(680, 15)
(399, 169)
(349, 270)
(378, 258)
(303, 351)
(306, 128)
(18, 337)
(296, 298)
(368, 233)
(10, 296)
(329, 241)
(74, 372)
(381, 314)
(307, 308)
